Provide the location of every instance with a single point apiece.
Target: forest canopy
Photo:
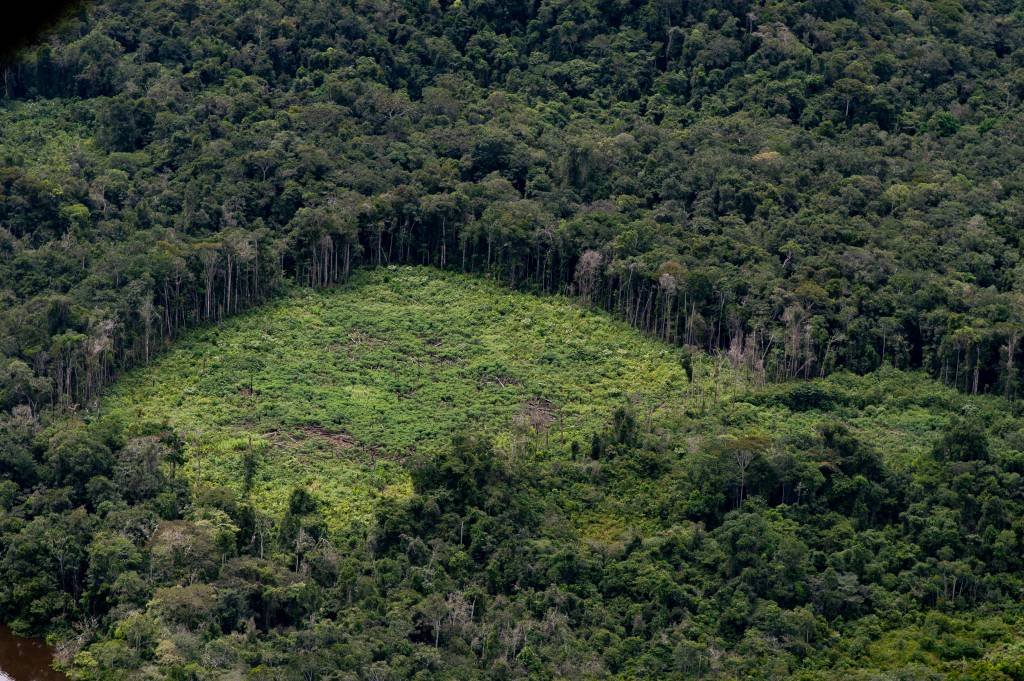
(806, 185)
(813, 207)
(278, 498)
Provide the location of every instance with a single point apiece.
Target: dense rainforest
(280, 497)
(806, 185)
(813, 208)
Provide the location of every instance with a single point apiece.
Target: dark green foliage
(138, 470)
(75, 455)
(624, 426)
(463, 475)
(804, 396)
(776, 553)
(809, 186)
(964, 440)
(853, 457)
(687, 363)
(250, 464)
(797, 187)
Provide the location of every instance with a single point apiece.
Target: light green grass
(348, 383)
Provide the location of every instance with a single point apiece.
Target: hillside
(334, 390)
(421, 473)
(370, 340)
(337, 390)
(815, 185)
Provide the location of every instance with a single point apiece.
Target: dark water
(25, 659)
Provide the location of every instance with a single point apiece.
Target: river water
(25, 659)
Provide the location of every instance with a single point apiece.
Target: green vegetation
(421, 474)
(811, 185)
(276, 402)
(335, 389)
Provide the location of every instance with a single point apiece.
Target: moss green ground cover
(336, 389)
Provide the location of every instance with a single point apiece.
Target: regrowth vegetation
(426, 475)
(335, 390)
(421, 474)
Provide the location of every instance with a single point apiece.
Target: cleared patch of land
(336, 389)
